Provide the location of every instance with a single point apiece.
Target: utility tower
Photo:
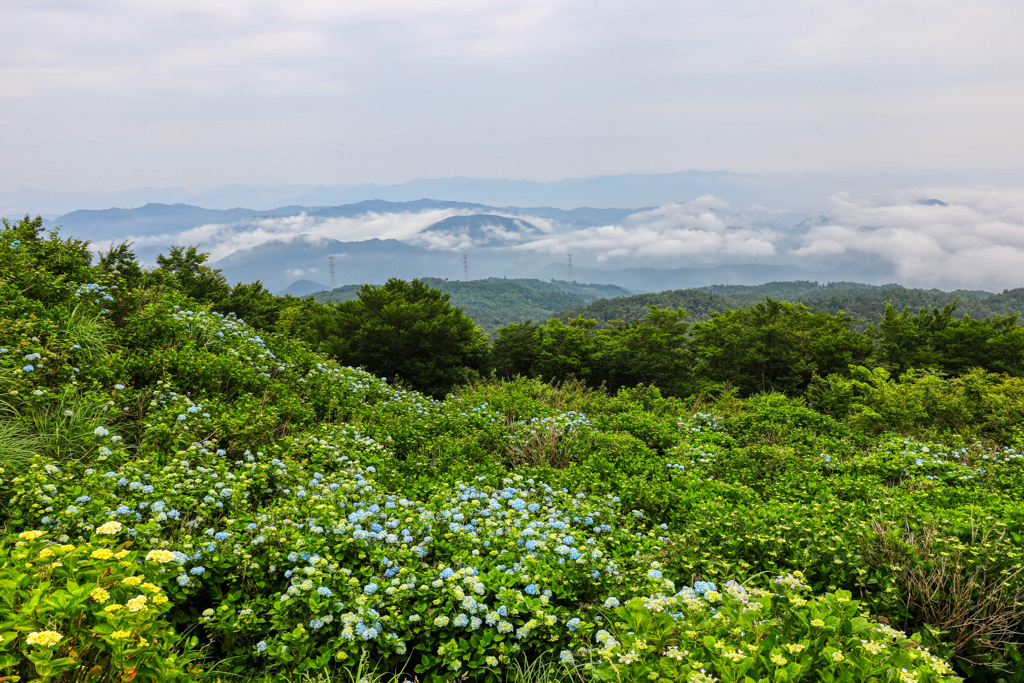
(465, 267)
(570, 267)
(330, 259)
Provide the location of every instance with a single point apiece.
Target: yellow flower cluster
(46, 554)
(779, 660)
(102, 554)
(30, 535)
(137, 604)
(159, 599)
(109, 528)
(131, 580)
(161, 556)
(44, 638)
(113, 608)
(99, 595)
(120, 635)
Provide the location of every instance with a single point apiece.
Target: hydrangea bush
(96, 610)
(297, 514)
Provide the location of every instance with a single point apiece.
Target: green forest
(206, 482)
(867, 303)
(495, 302)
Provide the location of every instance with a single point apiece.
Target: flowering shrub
(96, 609)
(702, 634)
(298, 514)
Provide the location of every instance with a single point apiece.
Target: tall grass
(64, 427)
(89, 331)
(17, 446)
(59, 429)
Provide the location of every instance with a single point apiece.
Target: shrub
(97, 609)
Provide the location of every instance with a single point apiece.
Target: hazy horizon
(821, 126)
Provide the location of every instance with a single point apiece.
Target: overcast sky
(102, 94)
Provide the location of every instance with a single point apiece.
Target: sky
(109, 95)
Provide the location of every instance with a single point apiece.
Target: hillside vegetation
(867, 303)
(495, 302)
(185, 496)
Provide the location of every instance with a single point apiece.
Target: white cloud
(975, 241)
(695, 229)
(220, 240)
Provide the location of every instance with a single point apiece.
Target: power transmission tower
(465, 267)
(331, 260)
(570, 267)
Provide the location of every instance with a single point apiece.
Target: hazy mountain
(481, 230)
(652, 248)
(154, 219)
(303, 288)
(280, 262)
(657, 280)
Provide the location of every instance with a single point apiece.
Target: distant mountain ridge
(864, 302)
(437, 238)
(494, 302)
(798, 193)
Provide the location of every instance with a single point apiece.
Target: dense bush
(317, 516)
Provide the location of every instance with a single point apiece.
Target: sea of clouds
(973, 239)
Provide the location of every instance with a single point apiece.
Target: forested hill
(865, 302)
(494, 302)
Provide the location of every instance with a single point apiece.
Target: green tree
(774, 346)
(254, 304)
(654, 351)
(408, 330)
(514, 352)
(121, 258)
(29, 228)
(195, 280)
(935, 339)
(566, 350)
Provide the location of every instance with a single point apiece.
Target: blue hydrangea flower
(197, 570)
(370, 588)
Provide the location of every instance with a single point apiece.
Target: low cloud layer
(223, 239)
(696, 229)
(973, 239)
(949, 237)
